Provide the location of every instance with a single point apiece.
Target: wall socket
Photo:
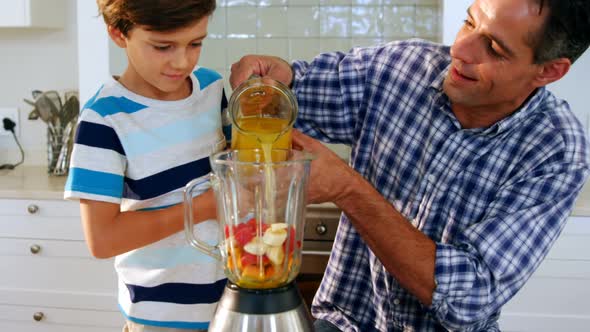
(12, 114)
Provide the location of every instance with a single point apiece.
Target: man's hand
(261, 65)
(406, 253)
(330, 178)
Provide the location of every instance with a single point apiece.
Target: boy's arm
(110, 232)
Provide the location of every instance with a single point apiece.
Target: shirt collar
(442, 102)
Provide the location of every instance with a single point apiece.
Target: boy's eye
(197, 44)
(468, 23)
(162, 48)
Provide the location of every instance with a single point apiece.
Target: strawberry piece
(249, 259)
(244, 235)
(289, 245)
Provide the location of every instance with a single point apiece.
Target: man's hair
(155, 15)
(566, 31)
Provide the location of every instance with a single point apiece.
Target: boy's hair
(566, 31)
(155, 15)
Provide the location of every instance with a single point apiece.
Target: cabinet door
(52, 319)
(62, 268)
(32, 13)
(13, 13)
(43, 219)
(556, 296)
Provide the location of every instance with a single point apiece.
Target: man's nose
(466, 48)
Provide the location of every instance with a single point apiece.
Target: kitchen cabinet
(32, 14)
(49, 281)
(555, 297)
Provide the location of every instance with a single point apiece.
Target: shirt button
(396, 301)
(431, 178)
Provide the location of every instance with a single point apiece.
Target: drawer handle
(38, 316)
(33, 209)
(35, 249)
(321, 229)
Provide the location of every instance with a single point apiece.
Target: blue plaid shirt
(493, 199)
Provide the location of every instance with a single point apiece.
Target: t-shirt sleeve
(98, 162)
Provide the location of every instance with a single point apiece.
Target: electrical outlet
(12, 114)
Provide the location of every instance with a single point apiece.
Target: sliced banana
(274, 238)
(276, 255)
(278, 226)
(255, 247)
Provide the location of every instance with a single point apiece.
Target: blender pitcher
(261, 212)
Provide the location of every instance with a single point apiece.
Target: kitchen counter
(33, 182)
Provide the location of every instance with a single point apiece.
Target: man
(463, 171)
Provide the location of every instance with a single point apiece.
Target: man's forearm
(405, 252)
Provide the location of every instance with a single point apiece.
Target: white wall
(573, 87)
(33, 58)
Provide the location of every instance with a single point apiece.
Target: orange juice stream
(264, 133)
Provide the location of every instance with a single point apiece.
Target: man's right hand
(261, 65)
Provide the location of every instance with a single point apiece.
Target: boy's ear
(552, 71)
(117, 36)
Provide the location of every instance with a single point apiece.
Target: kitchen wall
(34, 58)
(300, 29)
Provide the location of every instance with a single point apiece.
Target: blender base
(262, 310)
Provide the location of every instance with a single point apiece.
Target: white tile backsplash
(272, 22)
(300, 29)
(304, 21)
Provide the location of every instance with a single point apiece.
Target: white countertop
(33, 182)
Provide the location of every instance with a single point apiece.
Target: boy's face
(159, 63)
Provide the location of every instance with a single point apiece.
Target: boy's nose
(180, 60)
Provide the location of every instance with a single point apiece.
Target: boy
(140, 139)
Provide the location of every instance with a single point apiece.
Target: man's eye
(493, 52)
(468, 23)
(195, 45)
(161, 48)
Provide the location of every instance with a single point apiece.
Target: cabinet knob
(38, 316)
(35, 249)
(321, 229)
(33, 209)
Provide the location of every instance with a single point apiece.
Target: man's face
(160, 62)
(492, 62)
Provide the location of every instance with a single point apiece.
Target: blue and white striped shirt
(493, 199)
(140, 153)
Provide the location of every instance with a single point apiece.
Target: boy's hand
(261, 65)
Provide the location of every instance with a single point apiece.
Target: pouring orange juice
(262, 112)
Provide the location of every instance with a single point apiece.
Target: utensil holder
(59, 149)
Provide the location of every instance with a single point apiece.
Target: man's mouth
(459, 76)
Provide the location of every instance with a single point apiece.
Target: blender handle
(203, 247)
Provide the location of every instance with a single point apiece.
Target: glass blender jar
(261, 211)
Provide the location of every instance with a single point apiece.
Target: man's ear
(552, 71)
(117, 36)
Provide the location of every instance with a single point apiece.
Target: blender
(262, 221)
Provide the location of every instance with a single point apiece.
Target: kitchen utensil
(34, 114)
(61, 163)
(70, 110)
(36, 93)
(54, 97)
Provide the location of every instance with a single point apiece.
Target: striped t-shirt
(140, 153)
